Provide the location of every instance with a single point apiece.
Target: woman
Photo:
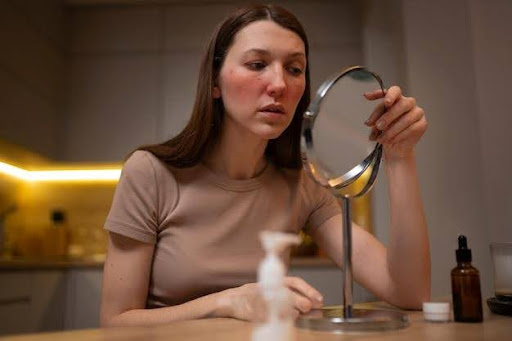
(186, 214)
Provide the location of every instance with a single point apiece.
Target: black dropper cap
(463, 254)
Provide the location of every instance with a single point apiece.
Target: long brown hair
(203, 129)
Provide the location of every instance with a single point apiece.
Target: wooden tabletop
(494, 328)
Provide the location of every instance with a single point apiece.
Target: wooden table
(494, 328)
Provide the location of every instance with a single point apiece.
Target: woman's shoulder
(141, 161)
(146, 163)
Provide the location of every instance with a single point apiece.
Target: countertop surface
(494, 328)
(48, 263)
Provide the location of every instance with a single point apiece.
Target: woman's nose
(277, 82)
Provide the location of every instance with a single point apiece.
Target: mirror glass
(341, 140)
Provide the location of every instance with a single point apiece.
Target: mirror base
(331, 319)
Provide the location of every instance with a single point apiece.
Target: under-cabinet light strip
(112, 174)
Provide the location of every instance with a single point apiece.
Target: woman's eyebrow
(267, 52)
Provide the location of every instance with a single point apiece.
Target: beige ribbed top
(206, 226)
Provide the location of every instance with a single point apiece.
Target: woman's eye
(256, 65)
(296, 71)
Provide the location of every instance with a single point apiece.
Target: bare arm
(125, 289)
(399, 274)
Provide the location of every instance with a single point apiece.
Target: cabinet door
(32, 301)
(83, 298)
(15, 302)
(48, 299)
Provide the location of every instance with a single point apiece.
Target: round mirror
(341, 156)
(335, 137)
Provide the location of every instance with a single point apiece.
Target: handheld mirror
(340, 156)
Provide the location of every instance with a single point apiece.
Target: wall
(441, 74)
(459, 67)
(133, 69)
(492, 55)
(32, 63)
(453, 57)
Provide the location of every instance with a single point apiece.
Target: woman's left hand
(397, 122)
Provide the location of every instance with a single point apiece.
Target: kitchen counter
(50, 263)
(494, 328)
(42, 263)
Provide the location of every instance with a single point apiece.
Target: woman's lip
(275, 108)
(273, 114)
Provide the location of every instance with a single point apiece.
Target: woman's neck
(237, 155)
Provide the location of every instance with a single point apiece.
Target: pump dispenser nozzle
(272, 271)
(276, 242)
(278, 324)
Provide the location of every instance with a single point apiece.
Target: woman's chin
(269, 131)
(270, 134)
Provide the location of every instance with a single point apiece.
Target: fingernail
(319, 299)
(381, 124)
(367, 122)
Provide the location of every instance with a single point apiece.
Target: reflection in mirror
(335, 137)
(340, 124)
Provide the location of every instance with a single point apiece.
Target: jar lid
(436, 307)
(436, 311)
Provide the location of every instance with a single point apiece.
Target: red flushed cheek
(242, 86)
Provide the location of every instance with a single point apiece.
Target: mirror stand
(346, 318)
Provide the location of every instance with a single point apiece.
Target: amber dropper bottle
(467, 297)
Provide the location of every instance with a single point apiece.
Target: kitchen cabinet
(31, 301)
(34, 300)
(83, 298)
(15, 302)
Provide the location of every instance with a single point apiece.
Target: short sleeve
(134, 210)
(318, 201)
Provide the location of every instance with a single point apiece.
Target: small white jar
(436, 311)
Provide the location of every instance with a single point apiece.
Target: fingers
(399, 108)
(417, 130)
(391, 96)
(379, 110)
(401, 124)
(374, 94)
(300, 303)
(304, 295)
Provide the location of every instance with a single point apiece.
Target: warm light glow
(112, 174)
(19, 173)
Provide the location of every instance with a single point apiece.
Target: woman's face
(262, 79)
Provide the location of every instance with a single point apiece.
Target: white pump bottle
(278, 325)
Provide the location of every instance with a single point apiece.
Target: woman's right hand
(243, 302)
